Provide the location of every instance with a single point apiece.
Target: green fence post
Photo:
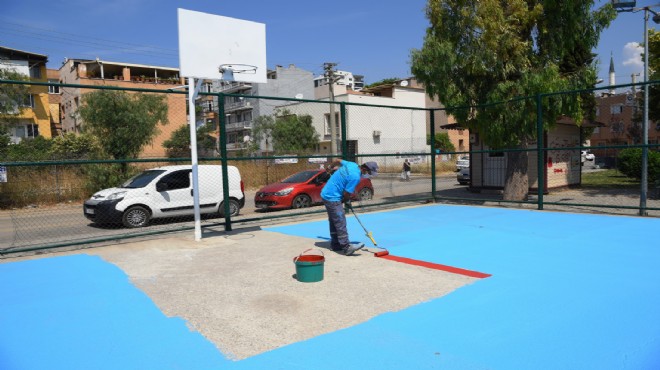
(223, 159)
(432, 128)
(540, 151)
(344, 142)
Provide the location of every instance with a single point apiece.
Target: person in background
(406, 170)
(337, 192)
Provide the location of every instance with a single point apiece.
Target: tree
(29, 149)
(493, 51)
(630, 164)
(178, 145)
(293, 133)
(262, 131)
(442, 142)
(123, 122)
(11, 95)
(72, 146)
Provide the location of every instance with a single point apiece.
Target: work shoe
(352, 248)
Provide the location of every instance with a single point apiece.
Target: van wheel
(301, 201)
(234, 208)
(365, 194)
(136, 216)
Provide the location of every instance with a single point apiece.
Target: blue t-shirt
(346, 178)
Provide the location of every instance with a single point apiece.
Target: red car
(303, 189)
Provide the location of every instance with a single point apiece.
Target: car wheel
(365, 194)
(234, 208)
(136, 216)
(301, 201)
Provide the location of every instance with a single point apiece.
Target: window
(32, 130)
(19, 131)
(616, 109)
(53, 89)
(177, 180)
(326, 124)
(28, 101)
(247, 116)
(35, 72)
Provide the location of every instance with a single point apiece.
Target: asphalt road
(65, 223)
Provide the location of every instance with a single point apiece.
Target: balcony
(237, 105)
(234, 87)
(238, 125)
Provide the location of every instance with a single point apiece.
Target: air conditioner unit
(376, 132)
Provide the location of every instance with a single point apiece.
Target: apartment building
(54, 101)
(33, 118)
(618, 111)
(344, 78)
(285, 82)
(126, 75)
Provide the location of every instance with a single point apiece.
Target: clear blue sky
(368, 37)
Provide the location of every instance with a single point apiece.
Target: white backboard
(207, 41)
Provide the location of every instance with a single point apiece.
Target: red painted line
(436, 266)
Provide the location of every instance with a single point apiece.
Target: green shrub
(630, 164)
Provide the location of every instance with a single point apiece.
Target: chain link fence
(124, 168)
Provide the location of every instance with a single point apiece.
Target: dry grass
(46, 185)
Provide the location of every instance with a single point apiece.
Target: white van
(165, 192)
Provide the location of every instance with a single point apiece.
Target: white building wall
(401, 130)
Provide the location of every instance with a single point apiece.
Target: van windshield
(142, 179)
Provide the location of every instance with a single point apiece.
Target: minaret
(612, 82)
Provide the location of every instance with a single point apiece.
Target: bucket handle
(307, 250)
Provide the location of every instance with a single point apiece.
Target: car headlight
(283, 192)
(117, 196)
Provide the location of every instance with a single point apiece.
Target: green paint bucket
(309, 267)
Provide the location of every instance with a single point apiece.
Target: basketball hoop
(238, 68)
(228, 70)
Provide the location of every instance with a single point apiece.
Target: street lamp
(629, 6)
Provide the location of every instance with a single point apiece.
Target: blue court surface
(567, 291)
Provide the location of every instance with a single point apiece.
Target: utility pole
(331, 78)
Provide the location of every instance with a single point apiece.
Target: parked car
(463, 176)
(585, 154)
(462, 162)
(165, 192)
(303, 189)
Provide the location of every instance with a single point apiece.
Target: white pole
(192, 94)
(645, 121)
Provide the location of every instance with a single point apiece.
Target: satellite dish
(299, 96)
(246, 138)
(404, 83)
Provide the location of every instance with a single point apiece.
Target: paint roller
(383, 251)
